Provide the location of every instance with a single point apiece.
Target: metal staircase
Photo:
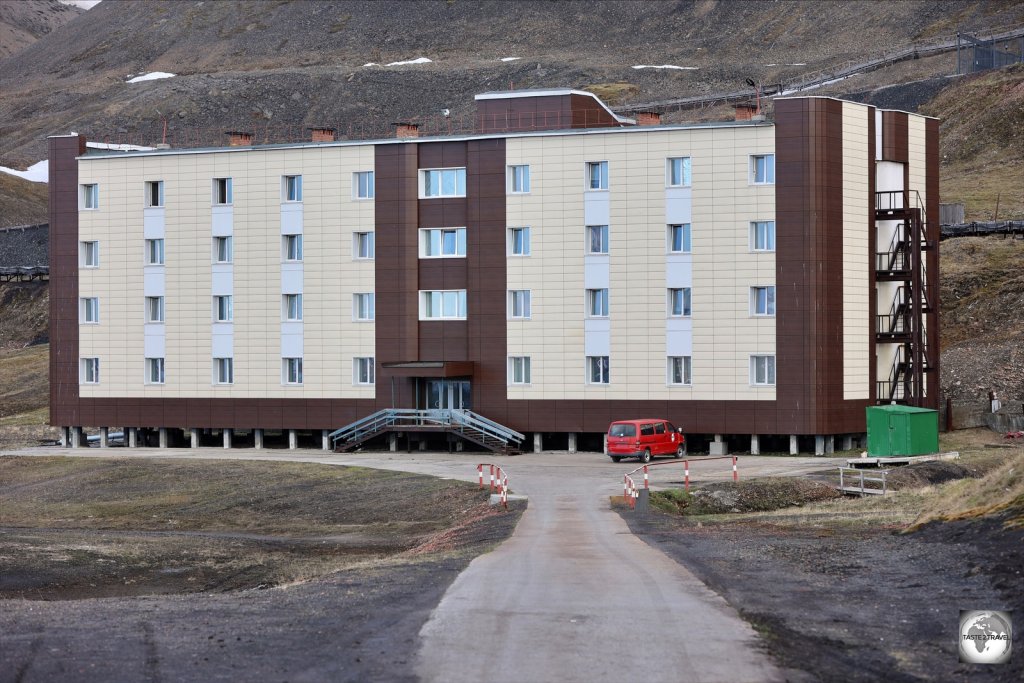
(464, 423)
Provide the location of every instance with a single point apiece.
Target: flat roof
(550, 92)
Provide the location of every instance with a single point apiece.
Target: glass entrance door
(448, 393)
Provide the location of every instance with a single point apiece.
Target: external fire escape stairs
(904, 261)
(466, 424)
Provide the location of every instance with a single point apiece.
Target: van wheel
(681, 451)
(615, 458)
(646, 455)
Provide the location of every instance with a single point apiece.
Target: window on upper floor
(154, 309)
(679, 370)
(362, 185)
(154, 193)
(223, 370)
(519, 369)
(762, 300)
(762, 169)
(598, 370)
(762, 370)
(363, 245)
(597, 303)
(222, 250)
(222, 309)
(519, 179)
(291, 247)
(443, 304)
(363, 306)
(222, 191)
(291, 370)
(679, 238)
(597, 175)
(597, 239)
(89, 309)
(155, 252)
(154, 371)
(519, 304)
(291, 188)
(678, 172)
(363, 370)
(519, 241)
(89, 254)
(442, 182)
(89, 196)
(762, 236)
(291, 307)
(442, 242)
(679, 302)
(89, 370)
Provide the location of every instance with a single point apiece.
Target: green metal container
(897, 430)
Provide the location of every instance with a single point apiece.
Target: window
(762, 236)
(362, 185)
(762, 169)
(291, 246)
(292, 370)
(679, 370)
(90, 310)
(679, 302)
(362, 245)
(222, 250)
(443, 305)
(519, 303)
(519, 369)
(222, 191)
(154, 194)
(89, 254)
(362, 306)
(222, 312)
(90, 369)
(597, 369)
(443, 182)
(597, 175)
(597, 303)
(223, 370)
(442, 242)
(154, 309)
(90, 197)
(154, 252)
(597, 239)
(292, 306)
(291, 188)
(154, 371)
(679, 237)
(762, 300)
(518, 179)
(762, 370)
(362, 370)
(679, 172)
(519, 241)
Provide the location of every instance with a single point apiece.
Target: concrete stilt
(604, 444)
(460, 446)
(76, 437)
(257, 435)
(717, 446)
(393, 442)
(538, 442)
(133, 437)
(293, 439)
(819, 445)
(847, 442)
(830, 443)
(162, 433)
(572, 442)
(104, 437)
(65, 436)
(794, 444)
(193, 438)
(755, 444)
(227, 438)
(325, 441)
(423, 444)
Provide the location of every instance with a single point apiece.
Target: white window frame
(519, 304)
(603, 232)
(291, 308)
(226, 183)
(426, 235)
(361, 239)
(229, 249)
(84, 251)
(686, 171)
(685, 295)
(364, 371)
(155, 366)
(89, 370)
(686, 232)
(769, 301)
(224, 371)
(519, 179)
(291, 189)
(217, 308)
(769, 169)
(426, 295)
(89, 313)
(769, 234)
(154, 252)
(519, 371)
(768, 361)
(603, 370)
(291, 371)
(424, 185)
(685, 371)
(88, 197)
(155, 313)
(363, 185)
(525, 242)
(595, 296)
(291, 248)
(149, 187)
(369, 308)
(602, 176)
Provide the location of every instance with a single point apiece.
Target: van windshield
(622, 430)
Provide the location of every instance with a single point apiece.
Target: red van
(643, 439)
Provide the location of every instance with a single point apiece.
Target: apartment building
(558, 268)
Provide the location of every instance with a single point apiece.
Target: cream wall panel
(857, 224)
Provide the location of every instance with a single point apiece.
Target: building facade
(560, 268)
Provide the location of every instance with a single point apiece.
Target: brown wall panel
(895, 136)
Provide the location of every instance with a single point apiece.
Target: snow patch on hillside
(418, 60)
(152, 76)
(118, 146)
(666, 66)
(38, 172)
(510, 59)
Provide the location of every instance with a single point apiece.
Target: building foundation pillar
(848, 442)
(293, 439)
(717, 446)
(162, 433)
(325, 440)
(819, 445)
(755, 444)
(257, 436)
(830, 443)
(65, 436)
(227, 438)
(538, 442)
(572, 442)
(794, 444)
(133, 437)
(193, 438)
(604, 444)
(76, 437)
(393, 442)
(104, 437)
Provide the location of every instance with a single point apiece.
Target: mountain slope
(23, 22)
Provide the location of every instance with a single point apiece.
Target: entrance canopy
(431, 368)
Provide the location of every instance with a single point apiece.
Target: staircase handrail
(489, 427)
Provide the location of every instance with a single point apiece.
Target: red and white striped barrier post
(504, 490)
(686, 474)
(646, 482)
(625, 486)
(735, 471)
(480, 473)
(492, 478)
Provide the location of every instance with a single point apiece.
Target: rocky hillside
(23, 22)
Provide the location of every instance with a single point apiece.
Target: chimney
(648, 118)
(321, 134)
(238, 138)
(407, 130)
(745, 112)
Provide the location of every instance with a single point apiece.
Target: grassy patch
(752, 495)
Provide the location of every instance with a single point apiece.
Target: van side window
(671, 427)
(659, 428)
(646, 430)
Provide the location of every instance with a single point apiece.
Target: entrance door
(448, 393)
